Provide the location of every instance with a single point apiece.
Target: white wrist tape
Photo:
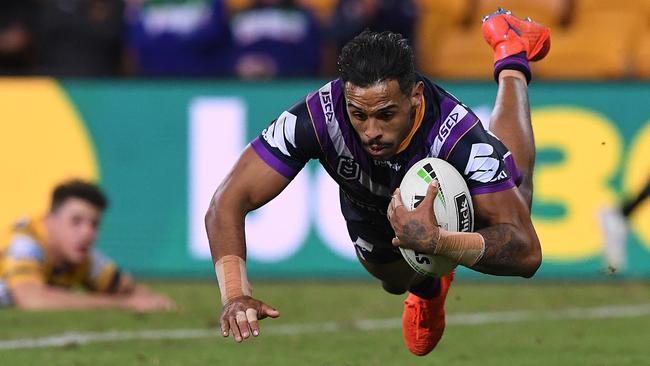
(464, 248)
(231, 275)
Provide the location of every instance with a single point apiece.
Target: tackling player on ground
(47, 257)
(367, 128)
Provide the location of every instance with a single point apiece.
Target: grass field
(352, 323)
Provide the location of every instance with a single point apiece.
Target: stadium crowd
(260, 39)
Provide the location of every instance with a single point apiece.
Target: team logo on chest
(348, 169)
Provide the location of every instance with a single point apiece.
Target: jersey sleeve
(103, 275)
(24, 261)
(289, 141)
(484, 161)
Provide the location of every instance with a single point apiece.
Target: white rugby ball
(453, 208)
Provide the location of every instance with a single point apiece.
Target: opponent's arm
(40, 296)
(139, 297)
(128, 286)
(249, 185)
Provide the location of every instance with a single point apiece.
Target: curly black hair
(374, 57)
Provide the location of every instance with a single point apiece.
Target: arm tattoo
(503, 249)
(418, 234)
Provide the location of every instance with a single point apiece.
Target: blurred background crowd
(261, 39)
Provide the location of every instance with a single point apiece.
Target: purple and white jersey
(319, 128)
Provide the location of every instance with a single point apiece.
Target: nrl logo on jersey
(348, 169)
(385, 163)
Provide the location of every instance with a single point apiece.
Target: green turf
(618, 341)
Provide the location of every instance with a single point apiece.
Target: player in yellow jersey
(47, 258)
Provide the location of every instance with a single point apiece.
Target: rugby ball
(452, 206)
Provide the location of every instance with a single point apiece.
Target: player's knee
(393, 288)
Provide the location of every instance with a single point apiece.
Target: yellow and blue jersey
(25, 258)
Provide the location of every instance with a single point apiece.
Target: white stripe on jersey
(24, 247)
(290, 127)
(455, 116)
(481, 163)
(283, 128)
(333, 129)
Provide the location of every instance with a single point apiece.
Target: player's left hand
(417, 229)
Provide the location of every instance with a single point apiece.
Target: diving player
(367, 128)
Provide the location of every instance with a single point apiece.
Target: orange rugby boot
(423, 321)
(509, 35)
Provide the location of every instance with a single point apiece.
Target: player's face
(382, 115)
(72, 229)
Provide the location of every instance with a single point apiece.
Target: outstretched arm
(249, 185)
(40, 296)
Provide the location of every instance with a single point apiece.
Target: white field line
(78, 338)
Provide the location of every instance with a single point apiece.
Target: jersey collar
(419, 116)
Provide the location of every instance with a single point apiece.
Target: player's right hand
(417, 229)
(240, 316)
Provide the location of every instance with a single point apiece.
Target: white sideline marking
(77, 338)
